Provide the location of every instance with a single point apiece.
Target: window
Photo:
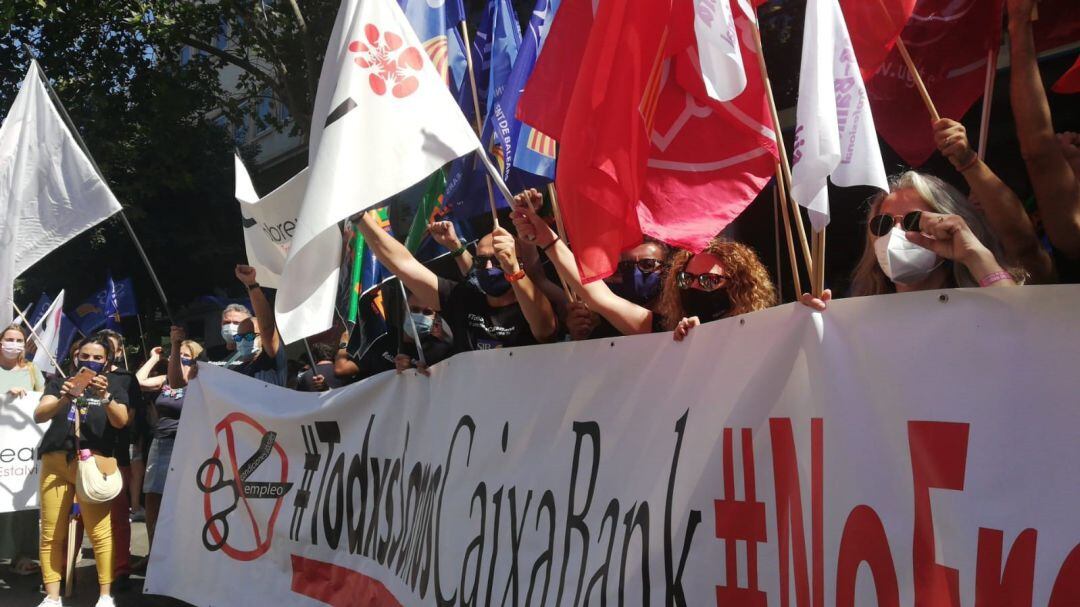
(185, 55)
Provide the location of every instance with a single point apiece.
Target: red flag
(708, 160)
(874, 26)
(546, 98)
(1070, 82)
(1058, 24)
(605, 144)
(948, 41)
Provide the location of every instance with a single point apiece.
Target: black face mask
(706, 305)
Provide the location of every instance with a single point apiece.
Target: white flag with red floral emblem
(383, 120)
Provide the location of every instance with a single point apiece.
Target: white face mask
(228, 331)
(11, 349)
(903, 261)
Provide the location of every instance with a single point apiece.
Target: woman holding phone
(101, 405)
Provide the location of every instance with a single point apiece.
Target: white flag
(718, 49)
(383, 120)
(47, 332)
(269, 223)
(834, 135)
(49, 190)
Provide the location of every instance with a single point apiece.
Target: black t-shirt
(379, 356)
(97, 434)
(304, 383)
(168, 404)
(477, 325)
(130, 385)
(1068, 269)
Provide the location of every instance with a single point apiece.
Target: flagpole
(479, 124)
(988, 100)
(916, 76)
(131, 232)
(41, 345)
(412, 324)
(785, 167)
(781, 195)
(562, 233)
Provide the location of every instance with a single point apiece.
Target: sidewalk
(25, 591)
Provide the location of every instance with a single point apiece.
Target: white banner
(19, 440)
(894, 450)
(268, 222)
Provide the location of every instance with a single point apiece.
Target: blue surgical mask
(187, 362)
(492, 281)
(637, 286)
(96, 367)
(246, 348)
(423, 324)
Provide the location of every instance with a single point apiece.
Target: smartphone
(81, 380)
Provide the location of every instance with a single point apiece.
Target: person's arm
(118, 412)
(423, 283)
(1003, 209)
(146, 382)
(534, 305)
(530, 256)
(1057, 189)
(174, 372)
(443, 233)
(627, 317)
(950, 237)
(51, 404)
(264, 312)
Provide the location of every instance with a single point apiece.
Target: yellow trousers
(57, 493)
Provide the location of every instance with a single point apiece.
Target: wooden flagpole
(479, 123)
(988, 100)
(37, 339)
(781, 193)
(785, 166)
(916, 76)
(562, 233)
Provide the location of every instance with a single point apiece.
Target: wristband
(458, 252)
(516, 276)
(550, 244)
(967, 165)
(994, 277)
(253, 286)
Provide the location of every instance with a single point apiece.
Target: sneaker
(105, 601)
(47, 602)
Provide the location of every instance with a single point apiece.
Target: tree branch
(228, 57)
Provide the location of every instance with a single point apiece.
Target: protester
(499, 305)
(638, 279)
(18, 530)
(102, 411)
(168, 406)
(396, 348)
(445, 235)
(259, 351)
(121, 506)
(725, 279)
(1002, 209)
(924, 235)
(321, 377)
(1051, 161)
(231, 317)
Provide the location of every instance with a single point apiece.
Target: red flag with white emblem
(383, 120)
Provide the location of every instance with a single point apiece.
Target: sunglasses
(706, 282)
(647, 265)
(422, 310)
(239, 337)
(881, 225)
(481, 261)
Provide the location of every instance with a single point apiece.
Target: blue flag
(439, 29)
(117, 299)
(524, 148)
(112, 306)
(495, 50)
(40, 308)
(68, 331)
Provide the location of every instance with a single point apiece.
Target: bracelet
(458, 252)
(516, 276)
(969, 164)
(994, 277)
(253, 286)
(550, 244)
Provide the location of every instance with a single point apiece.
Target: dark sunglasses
(647, 265)
(707, 282)
(422, 310)
(481, 261)
(881, 225)
(239, 337)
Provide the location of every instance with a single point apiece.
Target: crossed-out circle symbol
(216, 524)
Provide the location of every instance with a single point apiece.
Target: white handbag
(97, 479)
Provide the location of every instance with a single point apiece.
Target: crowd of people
(922, 234)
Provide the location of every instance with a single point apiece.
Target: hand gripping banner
(915, 449)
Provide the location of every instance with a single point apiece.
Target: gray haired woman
(924, 234)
